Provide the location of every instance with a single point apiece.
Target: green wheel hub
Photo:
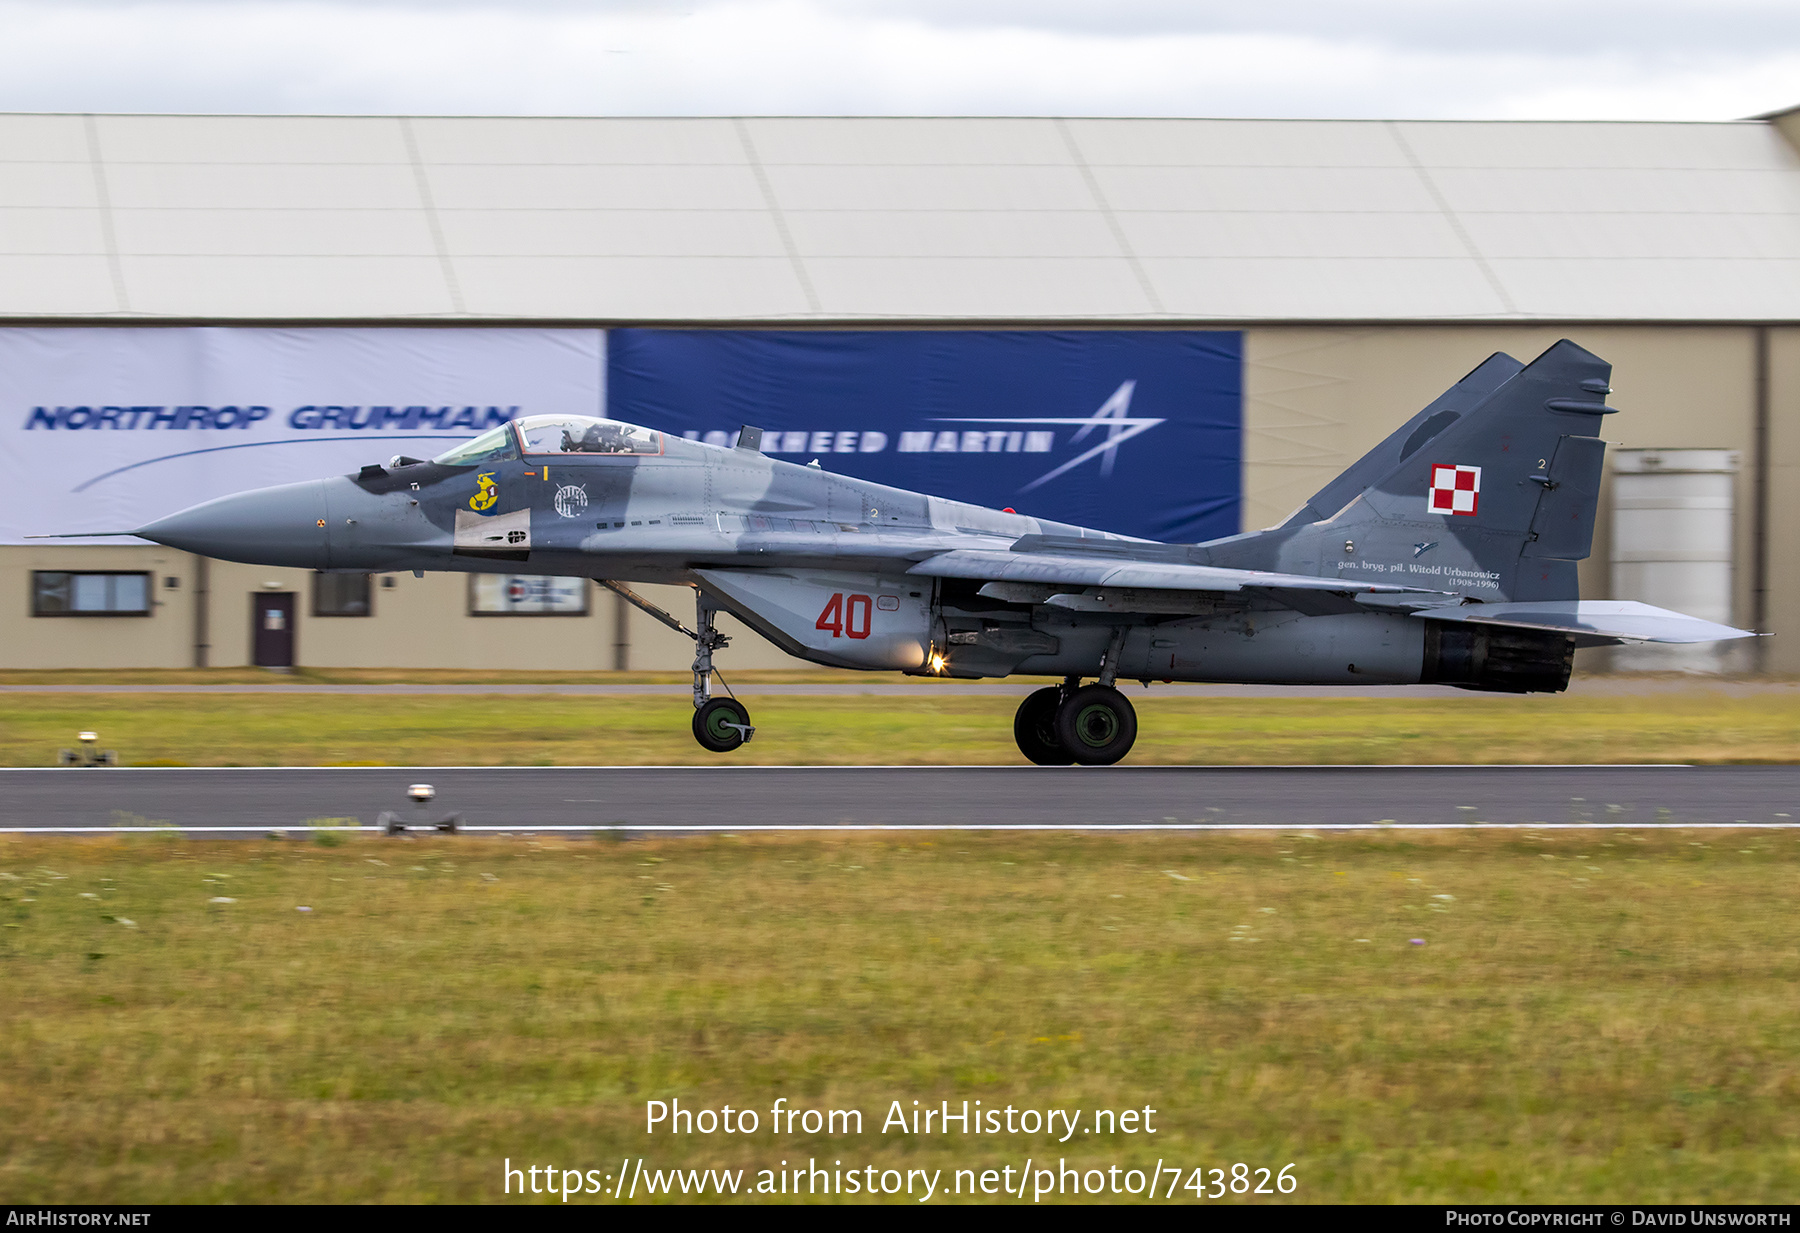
(722, 725)
(1097, 725)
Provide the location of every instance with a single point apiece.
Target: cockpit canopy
(554, 434)
(580, 434)
(494, 445)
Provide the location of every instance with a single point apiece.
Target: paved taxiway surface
(727, 797)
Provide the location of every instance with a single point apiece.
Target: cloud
(1402, 58)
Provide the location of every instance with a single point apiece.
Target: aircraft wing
(1590, 622)
(1593, 622)
(1041, 567)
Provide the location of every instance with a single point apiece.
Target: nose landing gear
(720, 724)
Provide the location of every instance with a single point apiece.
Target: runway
(258, 800)
(884, 687)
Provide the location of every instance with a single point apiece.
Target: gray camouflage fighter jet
(1447, 554)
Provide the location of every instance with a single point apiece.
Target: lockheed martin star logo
(1114, 416)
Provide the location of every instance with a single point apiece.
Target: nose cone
(284, 525)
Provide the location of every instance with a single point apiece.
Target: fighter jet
(1447, 554)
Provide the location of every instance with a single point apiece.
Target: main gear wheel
(1096, 725)
(1034, 728)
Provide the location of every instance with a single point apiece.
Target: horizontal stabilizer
(1085, 571)
(1593, 622)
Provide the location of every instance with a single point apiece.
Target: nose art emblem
(486, 493)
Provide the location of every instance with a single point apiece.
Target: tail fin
(1408, 439)
(1497, 502)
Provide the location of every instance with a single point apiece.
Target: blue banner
(1135, 432)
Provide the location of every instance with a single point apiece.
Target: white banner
(107, 428)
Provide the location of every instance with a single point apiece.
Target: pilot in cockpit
(598, 439)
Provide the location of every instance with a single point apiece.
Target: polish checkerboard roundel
(1455, 490)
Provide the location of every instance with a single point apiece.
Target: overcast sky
(1647, 59)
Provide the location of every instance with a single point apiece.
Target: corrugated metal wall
(992, 220)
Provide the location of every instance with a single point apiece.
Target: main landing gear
(1093, 725)
(720, 724)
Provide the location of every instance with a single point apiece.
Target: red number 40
(846, 616)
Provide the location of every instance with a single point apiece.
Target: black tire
(1096, 725)
(1034, 728)
(713, 725)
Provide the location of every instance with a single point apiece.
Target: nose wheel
(722, 724)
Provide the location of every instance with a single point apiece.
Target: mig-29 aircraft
(1447, 554)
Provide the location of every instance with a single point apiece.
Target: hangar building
(1352, 269)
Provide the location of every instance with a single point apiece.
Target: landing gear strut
(720, 724)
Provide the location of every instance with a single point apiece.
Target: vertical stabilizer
(1408, 439)
(1488, 494)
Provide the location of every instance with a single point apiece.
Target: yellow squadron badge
(486, 494)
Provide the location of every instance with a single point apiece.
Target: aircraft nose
(284, 525)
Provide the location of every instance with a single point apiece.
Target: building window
(341, 595)
(526, 595)
(112, 593)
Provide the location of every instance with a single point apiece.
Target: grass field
(418, 676)
(1696, 725)
(1588, 1018)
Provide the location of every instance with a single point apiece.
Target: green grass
(272, 730)
(419, 676)
(1591, 1018)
